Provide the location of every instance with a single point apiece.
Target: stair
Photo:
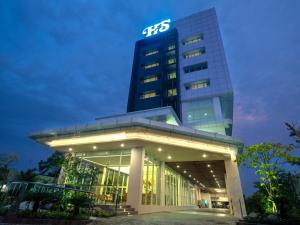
(126, 210)
(122, 210)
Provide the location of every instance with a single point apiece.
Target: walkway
(191, 217)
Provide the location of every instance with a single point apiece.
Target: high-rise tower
(182, 64)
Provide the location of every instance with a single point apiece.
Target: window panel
(172, 92)
(150, 79)
(193, 39)
(171, 75)
(194, 53)
(149, 94)
(151, 65)
(151, 52)
(195, 67)
(197, 84)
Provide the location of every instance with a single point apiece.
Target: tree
(79, 172)
(267, 159)
(52, 166)
(27, 175)
(5, 163)
(294, 132)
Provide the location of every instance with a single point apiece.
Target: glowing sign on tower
(159, 27)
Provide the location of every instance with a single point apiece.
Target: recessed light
(178, 166)
(214, 175)
(211, 171)
(184, 171)
(94, 147)
(159, 149)
(194, 178)
(204, 155)
(122, 145)
(70, 149)
(169, 157)
(190, 175)
(208, 165)
(197, 181)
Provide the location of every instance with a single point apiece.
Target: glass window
(151, 52)
(151, 182)
(148, 94)
(171, 61)
(172, 92)
(197, 85)
(194, 53)
(151, 65)
(195, 67)
(171, 47)
(150, 79)
(193, 39)
(171, 75)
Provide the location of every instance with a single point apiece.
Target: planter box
(19, 220)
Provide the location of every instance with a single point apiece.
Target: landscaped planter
(19, 220)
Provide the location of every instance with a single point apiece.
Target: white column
(135, 184)
(234, 189)
(162, 184)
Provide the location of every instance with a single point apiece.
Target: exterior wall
(234, 189)
(220, 89)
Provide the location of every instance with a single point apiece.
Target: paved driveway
(192, 217)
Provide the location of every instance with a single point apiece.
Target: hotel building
(173, 148)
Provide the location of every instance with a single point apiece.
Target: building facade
(184, 67)
(172, 150)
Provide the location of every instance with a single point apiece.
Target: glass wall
(113, 174)
(178, 190)
(151, 181)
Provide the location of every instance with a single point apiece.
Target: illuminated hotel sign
(159, 27)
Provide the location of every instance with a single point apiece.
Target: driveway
(191, 217)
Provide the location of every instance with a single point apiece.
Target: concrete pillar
(162, 184)
(135, 184)
(234, 189)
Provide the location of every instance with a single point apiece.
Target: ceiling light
(208, 165)
(159, 149)
(178, 166)
(190, 175)
(194, 178)
(214, 175)
(169, 157)
(197, 181)
(204, 155)
(211, 171)
(122, 145)
(184, 171)
(70, 149)
(94, 147)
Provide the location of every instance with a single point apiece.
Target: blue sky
(67, 62)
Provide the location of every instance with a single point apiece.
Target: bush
(3, 210)
(77, 200)
(51, 215)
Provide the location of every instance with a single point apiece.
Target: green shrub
(3, 210)
(51, 215)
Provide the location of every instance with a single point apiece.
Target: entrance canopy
(184, 149)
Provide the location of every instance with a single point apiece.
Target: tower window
(148, 94)
(195, 67)
(197, 84)
(151, 65)
(192, 40)
(151, 52)
(171, 61)
(171, 47)
(171, 75)
(150, 79)
(172, 92)
(194, 53)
